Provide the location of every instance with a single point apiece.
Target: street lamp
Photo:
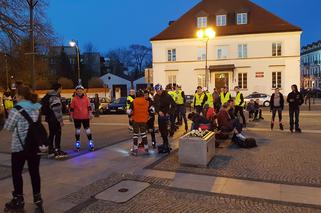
(206, 35)
(74, 44)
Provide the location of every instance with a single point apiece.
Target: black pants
(239, 109)
(163, 128)
(279, 111)
(199, 109)
(54, 134)
(294, 114)
(151, 128)
(258, 112)
(18, 160)
(182, 115)
(172, 123)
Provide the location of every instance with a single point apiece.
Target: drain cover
(123, 191)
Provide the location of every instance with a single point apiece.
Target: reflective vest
(210, 100)
(180, 98)
(130, 100)
(8, 104)
(173, 95)
(238, 100)
(226, 98)
(199, 99)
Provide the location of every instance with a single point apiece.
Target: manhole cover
(123, 190)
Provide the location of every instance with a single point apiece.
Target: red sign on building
(259, 74)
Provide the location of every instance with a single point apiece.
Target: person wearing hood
(81, 114)
(19, 127)
(52, 109)
(295, 100)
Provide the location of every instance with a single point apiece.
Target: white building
(253, 49)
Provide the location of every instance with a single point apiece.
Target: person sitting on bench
(199, 121)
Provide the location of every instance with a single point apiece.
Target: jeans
(182, 115)
(151, 127)
(163, 128)
(54, 134)
(279, 110)
(199, 109)
(18, 160)
(139, 130)
(239, 109)
(294, 114)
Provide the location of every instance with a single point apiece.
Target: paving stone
(123, 191)
(5, 172)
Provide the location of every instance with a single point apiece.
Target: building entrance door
(221, 80)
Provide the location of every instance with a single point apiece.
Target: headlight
(120, 107)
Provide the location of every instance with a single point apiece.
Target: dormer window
(241, 18)
(201, 22)
(221, 20)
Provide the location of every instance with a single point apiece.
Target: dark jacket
(164, 103)
(52, 107)
(224, 120)
(295, 100)
(198, 120)
(281, 101)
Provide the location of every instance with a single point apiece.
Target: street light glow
(72, 43)
(207, 33)
(200, 34)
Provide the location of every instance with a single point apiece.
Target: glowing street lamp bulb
(200, 34)
(210, 33)
(72, 43)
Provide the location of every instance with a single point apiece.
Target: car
(118, 106)
(103, 107)
(264, 99)
(2, 114)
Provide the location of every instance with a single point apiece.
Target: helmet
(140, 93)
(80, 87)
(158, 87)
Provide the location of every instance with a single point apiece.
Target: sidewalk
(72, 185)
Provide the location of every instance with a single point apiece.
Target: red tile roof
(259, 20)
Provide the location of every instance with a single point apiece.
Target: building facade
(253, 49)
(311, 65)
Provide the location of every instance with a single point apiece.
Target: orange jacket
(140, 110)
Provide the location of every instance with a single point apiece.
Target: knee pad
(77, 131)
(88, 132)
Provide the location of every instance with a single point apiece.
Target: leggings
(279, 111)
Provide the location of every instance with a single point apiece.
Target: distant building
(63, 61)
(253, 49)
(91, 62)
(311, 65)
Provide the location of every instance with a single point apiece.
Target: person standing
(209, 97)
(139, 111)
(295, 100)
(199, 100)
(181, 107)
(130, 100)
(97, 104)
(225, 95)
(151, 119)
(217, 100)
(81, 114)
(163, 105)
(52, 109)
(171, 90)
(239, 105)
(17, 123)
(277, 105)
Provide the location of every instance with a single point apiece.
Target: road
(107, 130)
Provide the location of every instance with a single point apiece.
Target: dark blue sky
(118, 23)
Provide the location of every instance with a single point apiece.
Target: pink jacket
(80, 108)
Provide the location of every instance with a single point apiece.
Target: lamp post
(74, 44)
(206, 34)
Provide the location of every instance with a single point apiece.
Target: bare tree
(140, 54)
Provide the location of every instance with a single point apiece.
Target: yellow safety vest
(130, 99)
(210, 100)
(226, 98)
(199, 99)
(173, 95)
(8, 104)
(238, 100)
(180, 98)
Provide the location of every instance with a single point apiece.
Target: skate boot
(91, 145)
(272, 125)
(281, 127)
(77, 146)
(134, 150)
(146, 149)
(17, 204)
(38, 202)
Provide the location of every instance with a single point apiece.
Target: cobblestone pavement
(5, 172)
(279, 158)
(161, 198)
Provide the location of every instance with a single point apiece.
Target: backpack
(45, 108)
(247, 143)
(36, 137)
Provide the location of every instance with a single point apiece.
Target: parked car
(264, 99)
(117, 106)
(2, 114)
(189, 100)
(103, 107)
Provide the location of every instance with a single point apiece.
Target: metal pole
(78, 64)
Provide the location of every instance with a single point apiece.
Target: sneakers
(298, 130)
(91, 145)
(17, 204)
(59, 154)
(281, 127)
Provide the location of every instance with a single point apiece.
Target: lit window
(201, 22)
(171, 55)
(242, 50)
(242, 80)
(276, 49)
(241, 18)
(276, 80)
(221, 20)
(201, 54)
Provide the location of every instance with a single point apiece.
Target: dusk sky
(111, 24)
